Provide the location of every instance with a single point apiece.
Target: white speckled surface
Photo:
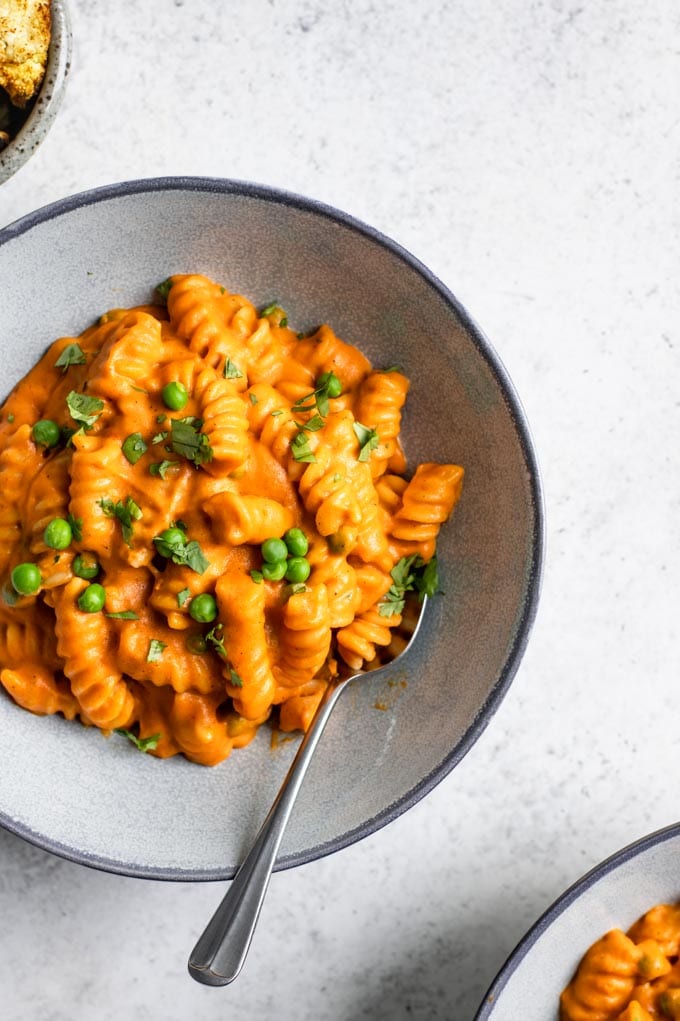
(527, 152)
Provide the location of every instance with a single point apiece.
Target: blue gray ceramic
(100, 802)
(611, 896)
(41, 117)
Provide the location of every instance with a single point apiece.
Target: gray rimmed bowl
(67, 789)
(48, 101)
(613, 895)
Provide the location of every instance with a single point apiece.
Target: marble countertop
(527, 152)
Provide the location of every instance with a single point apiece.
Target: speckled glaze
(612, 895)
(49, 98)
(101, 803)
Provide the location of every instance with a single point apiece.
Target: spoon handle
(220, 952)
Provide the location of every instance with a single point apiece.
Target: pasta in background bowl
(623, 894)
(102, 802)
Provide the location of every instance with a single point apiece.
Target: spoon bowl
(218, 957)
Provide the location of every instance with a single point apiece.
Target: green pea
(297, 569)
(26, 579)
(296, 542)
(203, 608)
(46, 433)
(58, 534)
(274, 572)
(92, 599)
(274, 550)
(169, 540)
(330, 382)
(175, 395)
(85, 566)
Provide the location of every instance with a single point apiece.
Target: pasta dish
(202, 512)
(629, 977)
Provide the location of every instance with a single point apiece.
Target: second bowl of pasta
(239, 428)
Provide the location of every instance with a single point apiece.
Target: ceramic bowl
(66, 788)
(611, 896)
(48, 101)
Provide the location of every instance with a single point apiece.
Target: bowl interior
(68, 789)
(613, 895)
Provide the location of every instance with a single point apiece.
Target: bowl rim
(484, 347)
(572, 893)
(40, 119)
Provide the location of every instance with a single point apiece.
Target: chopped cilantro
(183, 596)
(123, 615)
(253, 398)
(268, 309)
(301, 448)
(125, 512)
(409, 574)
(10, 418)
(133, 447)
(368, 440)
(159, 437)
(257, 577)
(181, 552)
(155, 650)
(235, 679)
(188, 441)
(71, 355)
(84, 409)
(216, 638)
(164, 288)
(76, 526)
(161, 467)
(145, 744)
(232, 371)
(315, 423)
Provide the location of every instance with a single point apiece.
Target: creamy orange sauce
(266, 452)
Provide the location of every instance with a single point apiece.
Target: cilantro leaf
(126, 513)
(71, 355)
(216, 638)
(188, 441)
(164, 288)
(76, 526)
(235, 679)
(368, 440)
(427, 579)
(84, 409)
(257, 577)
(181, 552)
(123, 615)
(145, 744)
(232, 371)
(301, 449)
(183, 596)
(155, 650)
(409, 574)
(161, 467)
(133, 447)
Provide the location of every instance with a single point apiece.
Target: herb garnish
(216, 638)
(76, 526)
(145, 744)
(155, 650)
(164, 287)
(71, 355)
(181, 552)
(232, 371)
(188, 441)
(183, 596)
(161, 467)
(123, 615)
(235, 679)
(125, 512)
(133, 447)
(409, 574)
(301, 448)
(84, 409)
(368, 440)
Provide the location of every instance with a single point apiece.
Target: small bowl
(60, 268)
(48, 100)
(613, 895)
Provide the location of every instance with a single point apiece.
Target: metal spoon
(218, 957)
